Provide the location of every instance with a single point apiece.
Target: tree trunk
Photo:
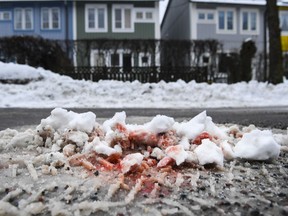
(275, 49)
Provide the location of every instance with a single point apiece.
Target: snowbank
(52, 90)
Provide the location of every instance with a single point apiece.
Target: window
(122, 18)
(149, 15)
(249, 22)
(23, 19)
(50, 18)
(210, 16)
(205, 16)
(139, 15)
(284, 21)
(5, 15)
(226, 21)
(144, 15)
(95, 18)
(201, 16)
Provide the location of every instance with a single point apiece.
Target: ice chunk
(131, 160)
(208, 152)
(157, 153)
(213, 130)
(104, 149)
(177, 153)
(185, 143)
(192, 128)
(257, 145)
(22, 139)
(77, 137)
(227, 150)
(160, 124)
(119, 117)
(61, 119)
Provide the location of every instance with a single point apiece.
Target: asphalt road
(269, 117)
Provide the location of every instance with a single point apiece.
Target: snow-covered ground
(49, 152)
(49, 90)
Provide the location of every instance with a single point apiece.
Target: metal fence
(142, 74)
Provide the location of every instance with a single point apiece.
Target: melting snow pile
(160, 146)
(117, 161)
(160, 143)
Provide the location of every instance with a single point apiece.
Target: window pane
(284, 22)
(253, 24)
(28, 19)
(201, 16)
(18, 19)
(6, 16)
(229, 20)
(210, 16)
(127, 18)
(245, 21)
(55, 18)
(91, 18)
(139, 15)
(221, 21)
(101, 19)
(118, 18)
(149, 15)
(45, 19)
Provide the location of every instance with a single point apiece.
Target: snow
(197, 125)
(67, 127)
(104, 149)
(61, 119)
(257, 145)
(208, 152)
(178, 153)
(131, 160)
(50, 90)
(160, 124)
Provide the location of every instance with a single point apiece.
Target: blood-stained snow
(146, 159)
(167, 144)
(50, 90)
(77, 164)
(168, 139)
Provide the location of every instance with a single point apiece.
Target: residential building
(101, 33)
(48, 19)
(117, 33)
(229, 22)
